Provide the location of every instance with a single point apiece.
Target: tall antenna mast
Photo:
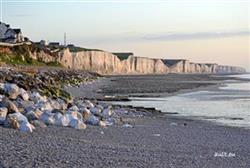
(1, 10)
(65, 39)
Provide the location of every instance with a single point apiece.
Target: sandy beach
(151, 139)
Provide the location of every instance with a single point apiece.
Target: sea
(227, 105)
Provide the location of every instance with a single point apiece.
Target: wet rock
(12, 90)
(24, 94)
(12, 108)
(38, 123)
(75, 123)
(3, 114)
(26, 127)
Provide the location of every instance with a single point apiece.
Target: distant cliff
(104, 62)
(112, 63)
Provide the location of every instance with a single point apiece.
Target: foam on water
(229, 105)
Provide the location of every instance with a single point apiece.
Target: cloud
(191, 36)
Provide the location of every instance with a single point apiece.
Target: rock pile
(26, 110)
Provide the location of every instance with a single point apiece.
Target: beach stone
(12, 108)
(88, 104)
(47, 118)
(24, 94)
(57, 111)
(12, 90)
(26, 127)
(44, 106)
(95, 110)
(75, 123)
(63, 104)
(61, 120)
(106, 113)
(73, 108)
(36, 97)
(55, 104)
(38, 123)
(14, 120)
(86, 114)
(33, 114)
(102, 124)
(92, 120)
(27, 105)
(75, 114)
(3, 114)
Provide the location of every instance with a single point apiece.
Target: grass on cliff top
(14, 59)
(123, 56)
(79, 49)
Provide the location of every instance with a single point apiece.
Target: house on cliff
(9, 35)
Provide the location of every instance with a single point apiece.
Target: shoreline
(140, 137)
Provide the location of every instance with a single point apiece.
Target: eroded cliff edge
(104, 62)
(108, 63)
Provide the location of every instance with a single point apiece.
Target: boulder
(12, 108)
(75, 114)
(106, 113)
(57, 111)
(15, 120)
(44, 106)
(75, 123)
(88, 104)
(62, 120)
(102, 124)
(33, 114)
(36, 97)
(24, 94)
(38, 123)
(92, 120)
(73, 108)
(96, 111)
(3, 114)
(12, 90)
(47, 118)
(26, 127)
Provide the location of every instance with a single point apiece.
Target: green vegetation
(79, 49)
(123, 56)
(20, 55)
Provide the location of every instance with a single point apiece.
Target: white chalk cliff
(107, 63)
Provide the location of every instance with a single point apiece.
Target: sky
(205, 31)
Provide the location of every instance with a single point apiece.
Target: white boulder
(47, 118)
(12, 90)
(26, 127)
(24, 94)
(75, 123)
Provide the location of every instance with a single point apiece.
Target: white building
(10, 35)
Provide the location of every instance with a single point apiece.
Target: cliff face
(107, 63)
(113, 63)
